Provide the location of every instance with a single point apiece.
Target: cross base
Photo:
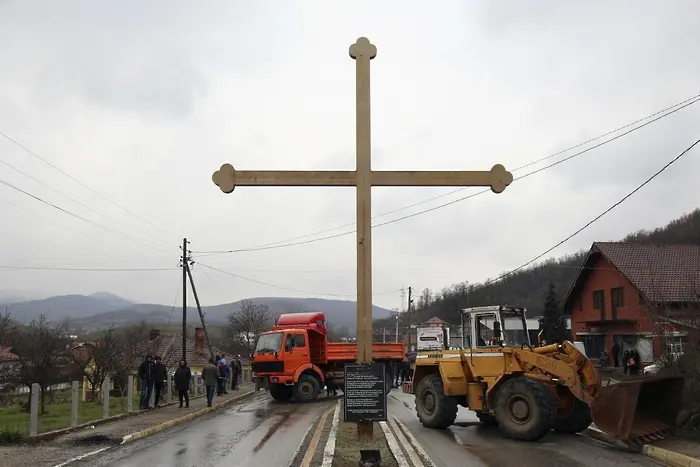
(365, 431)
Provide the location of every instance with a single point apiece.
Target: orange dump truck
(295, 359)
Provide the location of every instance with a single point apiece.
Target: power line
(29, 151)
(54, 223)
(79, 202)
(237, 276)
(50, 268)
(272, 245)
(588, 224)
(77, 216)
(281, 244)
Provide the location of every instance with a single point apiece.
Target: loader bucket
(639, 411)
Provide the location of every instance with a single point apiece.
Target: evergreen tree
(553, 322)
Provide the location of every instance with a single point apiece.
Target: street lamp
(397, 328)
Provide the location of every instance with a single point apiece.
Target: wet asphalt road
(258, 432)
(470, 444)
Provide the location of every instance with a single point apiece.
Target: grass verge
(347, 446)
(15, 421)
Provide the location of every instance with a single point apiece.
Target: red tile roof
(6, 354)
(662, 273)
(435, 320)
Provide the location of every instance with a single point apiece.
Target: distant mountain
(102, 309)
(114, 300)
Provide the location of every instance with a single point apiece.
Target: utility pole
(184, 259)
(199, 307)
(408, 312)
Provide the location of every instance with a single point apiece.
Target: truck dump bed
(341, 351)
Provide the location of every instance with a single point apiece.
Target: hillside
(528, 287)
(102, 309)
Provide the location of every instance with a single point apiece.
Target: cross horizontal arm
(227, 178)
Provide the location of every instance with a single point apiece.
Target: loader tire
(435, 409)
(307, 388)
(576, 418)
(281, 393)
(487, 418)
(525, 409)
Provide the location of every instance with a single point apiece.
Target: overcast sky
(142, 101)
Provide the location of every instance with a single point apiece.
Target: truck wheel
(433, 407)
(574, 417)
(281, 392)
(487, 418)
(525, 409)
(307, 388)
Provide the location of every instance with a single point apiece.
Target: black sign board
(365, 392)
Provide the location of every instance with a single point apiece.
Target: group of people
(153, 375)
(215, 374)
(630, 359)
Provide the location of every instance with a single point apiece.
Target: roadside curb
(669, 458)
(180, 420)
(660, 455)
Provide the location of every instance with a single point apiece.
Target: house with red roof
(634, 294)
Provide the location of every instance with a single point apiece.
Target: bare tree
(126, 356)
(43, 353)
(95, 359)
(247, 323)
(7, 329)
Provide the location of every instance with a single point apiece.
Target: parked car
(654, 368)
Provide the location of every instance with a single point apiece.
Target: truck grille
(268, 367)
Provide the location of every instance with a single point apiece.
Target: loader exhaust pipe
(639, 411)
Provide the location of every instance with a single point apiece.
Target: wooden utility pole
(363, 178)
(185, 258)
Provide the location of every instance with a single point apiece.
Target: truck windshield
(271, 342)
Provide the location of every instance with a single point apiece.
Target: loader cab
(494, 326)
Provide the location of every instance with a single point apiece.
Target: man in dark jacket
(160, 374)
(210, 376)
(146, 377)
(183, 375)
(236, 371)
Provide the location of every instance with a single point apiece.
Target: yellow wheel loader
(528, 390)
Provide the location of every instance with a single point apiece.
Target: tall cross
(363, 178)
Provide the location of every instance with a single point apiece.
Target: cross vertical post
(362, 52)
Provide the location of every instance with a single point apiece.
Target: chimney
(154, 334)
(199, 341)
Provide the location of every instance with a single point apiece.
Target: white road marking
(394, 447)
(81, 457)
(306, 461)
(414, 442)
(415, 460)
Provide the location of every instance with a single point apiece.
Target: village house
(633, 294)
(9, 368)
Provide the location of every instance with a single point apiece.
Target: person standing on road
(146, 377)
(183, 375)
(160, 374)
(210, 376)
(616, 354)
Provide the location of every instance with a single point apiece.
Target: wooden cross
(363, 178)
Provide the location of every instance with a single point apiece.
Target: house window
(579, 303)
(599, 302)
(617, 297)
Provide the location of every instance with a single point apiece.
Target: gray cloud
(144, 101)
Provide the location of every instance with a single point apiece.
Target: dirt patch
(347, 446)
